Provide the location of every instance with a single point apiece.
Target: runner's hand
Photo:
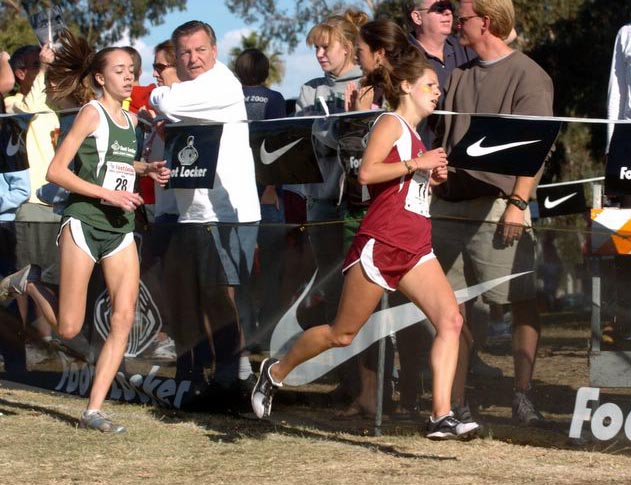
(439, 175)
(429, 160)
(127, 201)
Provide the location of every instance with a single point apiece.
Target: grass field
(303, 443)
(41, 444)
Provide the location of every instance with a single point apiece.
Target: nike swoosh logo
(551, 204)
(379, 325)
(267, 158)
(12, 148)
(477, 150)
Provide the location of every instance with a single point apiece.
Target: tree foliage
(573, 41)
(254, 41)
(285, 26)
(100, 22)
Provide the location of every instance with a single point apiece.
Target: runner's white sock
(245, 368)
(435, 420)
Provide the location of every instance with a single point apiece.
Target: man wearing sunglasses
(430, 27)
(501, 80)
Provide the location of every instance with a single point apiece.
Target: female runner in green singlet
(98, 221)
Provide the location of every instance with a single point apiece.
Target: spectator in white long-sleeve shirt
(213, 249)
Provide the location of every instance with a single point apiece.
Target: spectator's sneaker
(462, 413)
(99, 421)
(36, 354)
(499, 332)
(165, 350)
(524, 412)
(448, 427)
(409, 411)
(77, 348)
(264, 390)
(246, 386)
(479, 368)
(15, 284)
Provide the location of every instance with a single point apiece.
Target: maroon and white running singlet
(395, 234)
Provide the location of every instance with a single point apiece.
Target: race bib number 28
(119, 176)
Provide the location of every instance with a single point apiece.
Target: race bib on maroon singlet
(417, 199)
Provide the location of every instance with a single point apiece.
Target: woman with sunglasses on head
(98, 221)
(165, 74)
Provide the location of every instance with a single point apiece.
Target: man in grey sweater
(502, 80)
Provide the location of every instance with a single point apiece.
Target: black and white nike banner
(561, 199)
(13, 129)
(191, 152)
(283, 152)
(618, 169)
(507, 146)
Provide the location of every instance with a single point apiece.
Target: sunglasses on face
(159, 67)
(462, 20)
(439, 7)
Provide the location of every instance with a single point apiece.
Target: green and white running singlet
(105, 158)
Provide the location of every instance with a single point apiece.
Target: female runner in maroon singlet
(392, 249)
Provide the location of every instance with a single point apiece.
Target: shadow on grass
(231, 428)
(70, 420)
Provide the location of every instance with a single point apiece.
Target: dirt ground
(303, 442)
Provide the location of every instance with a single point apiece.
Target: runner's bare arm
(58, 172)
(382, 138)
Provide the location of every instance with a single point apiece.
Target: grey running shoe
(462, 413)
(99, 421)
(524, 412)
(479, 368)
(165, 350)
(77, 348)
(264, 390)
(36, 354)
(15, 284)
(448, 428)
(499, 333)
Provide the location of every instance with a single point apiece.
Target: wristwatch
(517, 202)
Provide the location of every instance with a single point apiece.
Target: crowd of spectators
(219, 252)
